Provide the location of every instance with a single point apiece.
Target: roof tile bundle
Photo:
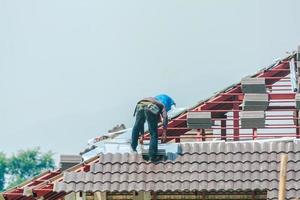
(253, 85)
(197, 120)
(298, 64)
(252, 119)
(297, 98)
(67, 161)
(255, 102)
(214, 166)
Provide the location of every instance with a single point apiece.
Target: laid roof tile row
(192, 167)
(86, 177)
(214, 148)
(249, 158)
(171, 186)
(241, 147)
(290, 194)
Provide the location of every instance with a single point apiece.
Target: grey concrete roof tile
(273, 147)
(115, 187)
(274, 165)
(271, 175)
(229, 148)
(273, 185)
(273, 194)
(194, 167)
(59, 186)
(228, 186)
(185, 185)
(123, 186)
(297, 145)
(297, 156)
(290, 147)
(282, 147)
(293, 194)
(70, 187)
(124, 167)
(263, 166)
(292, 175)
(293, 184)
(222, 147)
(89, 186)
(124, 158)
(107, 168)
(265, 146)
(107, 186)
(95, 167)
(257, 146)
(111, 158)
(155, 186)
(186, 147)
(97, 187)
(270, 157)
(116, 167)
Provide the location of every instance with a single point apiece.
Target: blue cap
(165, 100)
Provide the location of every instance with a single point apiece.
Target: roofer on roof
(151, 109)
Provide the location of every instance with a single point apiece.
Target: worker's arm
(165, 124)
(164, 118)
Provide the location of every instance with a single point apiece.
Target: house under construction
(241, 143)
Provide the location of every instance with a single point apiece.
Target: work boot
(154, 159)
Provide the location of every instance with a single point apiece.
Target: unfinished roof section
(270, 90)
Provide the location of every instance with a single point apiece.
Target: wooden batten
(142, 196)
(100, 196)
(80, 196)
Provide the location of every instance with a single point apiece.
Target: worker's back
(165, 100)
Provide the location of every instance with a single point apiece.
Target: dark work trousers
(142, 115)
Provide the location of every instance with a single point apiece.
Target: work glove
(164, 136)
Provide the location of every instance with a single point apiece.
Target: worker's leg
(152, 126)
(138, 126)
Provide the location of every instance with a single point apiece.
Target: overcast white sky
(72, 69)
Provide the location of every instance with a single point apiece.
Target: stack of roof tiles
(199, 120)
(214, 166)
(297, 98)
(253, 85)
(67, 161)
(252, 119)
(298, 60)
(254, 102)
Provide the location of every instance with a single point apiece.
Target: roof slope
(201, 166)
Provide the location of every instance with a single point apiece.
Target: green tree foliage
(3, 166)
(24, 165)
